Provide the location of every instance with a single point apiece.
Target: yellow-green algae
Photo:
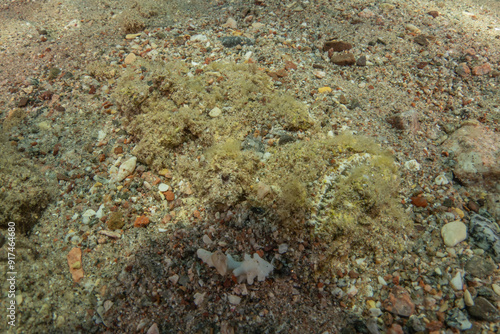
(345, 186)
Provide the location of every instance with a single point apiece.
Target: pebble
(199, 38)
(399, 302)
(215, 112)
(457, 319)
(484, 310)
(412, 28)
(480, 267)
(74, 258)
(456, 282)
(130, 58)
(141, 221)
(336, 46)
(235, 300)
(163, 187)
(283, 248)
(346, 59)
(453, 233)
(468, 298)
(481, 69)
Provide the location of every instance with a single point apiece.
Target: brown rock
(481, 69)
(336, 46)
(422, 40)
(169, 195)
(22, 102)
(462, 69)
(75, 264)
(141, 221)
(395, 329)
(433, 13)
(399, 302)
(346, 59)
(418, 201)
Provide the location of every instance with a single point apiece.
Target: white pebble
(215, 112)
(163, 187)
(235, 300)
(456, 282)
(381, 280)
(454, 233)
(207, 240)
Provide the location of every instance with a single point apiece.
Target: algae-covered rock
(24, 192)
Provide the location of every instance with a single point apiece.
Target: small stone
(399, 302)
(199, 38)
(74, 258)
(163, 187)
(480, 267)
(198, 298)
(433, 13)
(132, 36)
(468, 298)
(283, 248)
(22, 102)
(412, 28)
(484, 310)
(422, 40)
(419, 201)
(207, 240)
(141, 221)
(481, 69)
(336, 46)
(361, 61)
(235, 300)
(215, 112)
(496, 288)
(153, 329)
(174, 278)
(457, 319)
(130, 58)
(395, 329)
(322, 90)
(232, 41)
(346, 59)
(454, 233)
(169, 195)
(462, 69)
(231, 23)
(456, 282)
(485, 235)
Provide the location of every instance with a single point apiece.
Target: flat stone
(336, 46)
(481, 69)
(130, 58)
(462, 69)
(484, 310)
(422, 40)
(346, 59)
(453, 233)
(399, 302)
(480, 267)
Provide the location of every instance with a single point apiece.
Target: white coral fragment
(248, 270)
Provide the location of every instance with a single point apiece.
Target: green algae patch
(231, 139)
